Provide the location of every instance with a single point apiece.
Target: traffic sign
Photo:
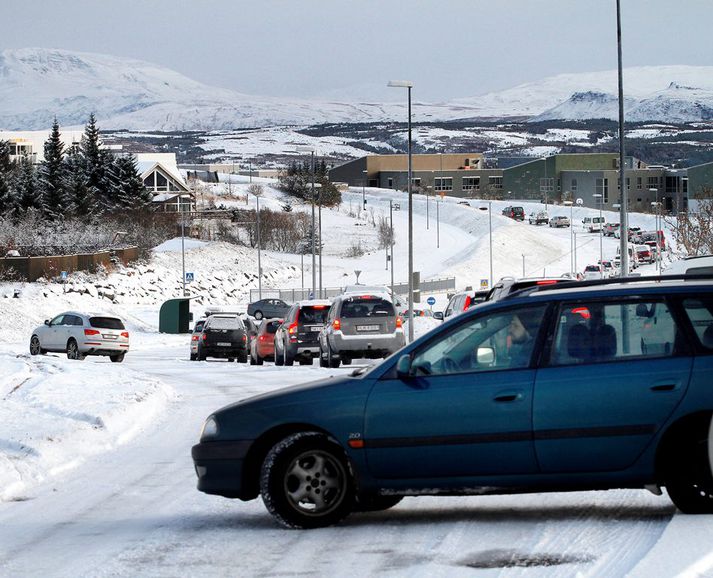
(63, 275)
(189, 277)
(483, 283)
(431, 300)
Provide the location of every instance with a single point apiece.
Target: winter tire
(347, 360)
(258, 360)
(306, 482)
(243, 358)
(73, 351)
(332, 360)
(258, 315)
(322, 360)
(193, 357)
(689, 480)
(287, 359)
(35, 348)
(279, 356)
(118, 358)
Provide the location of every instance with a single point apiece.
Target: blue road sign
(63, 275)
(189, 277)
(431, 300)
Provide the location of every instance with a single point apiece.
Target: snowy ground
(96, 477)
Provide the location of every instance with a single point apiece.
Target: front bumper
(219, 467)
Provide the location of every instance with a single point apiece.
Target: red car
(263, 345)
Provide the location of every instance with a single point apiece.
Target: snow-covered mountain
(39, 84)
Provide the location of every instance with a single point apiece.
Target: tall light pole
(657, 224)
(314, 259)
(623, 217)
(391, 226)
(600, 200)
(320, 243)
(363, 189)
(427, 218)
(408, 85)
(183, 248)
(490, 238)
(438, 225)
(259, 265)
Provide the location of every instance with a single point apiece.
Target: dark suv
(580, 386)
(223, 336)
(298, 336)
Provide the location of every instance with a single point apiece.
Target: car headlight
(210, 428)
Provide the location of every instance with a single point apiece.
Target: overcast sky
(317, 48)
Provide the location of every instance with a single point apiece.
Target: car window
(600, 332)
(503, 340)
(313, 314)
(367, 308)
(106, 323)
(272, 327)
(57, 320)
(76, 320)
(700, 313)
(224, 323)
(198, 326)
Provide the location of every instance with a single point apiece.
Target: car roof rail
(573, 284)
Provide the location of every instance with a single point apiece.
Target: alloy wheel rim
(315, 483)
(34, 346)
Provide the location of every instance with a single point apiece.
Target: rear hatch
(310, 320)
(367, 315)
(225, 332)
(108, 330)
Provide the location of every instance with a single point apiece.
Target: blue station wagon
(580, 386)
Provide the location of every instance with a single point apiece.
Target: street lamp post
(438, 225)
(408, 85)
(312, 240)
(183, 248)
(363, 190)
(320, 242)
(623, 216)
(391, 237)
(490, 238)
(427, 217)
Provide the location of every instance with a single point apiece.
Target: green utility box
(174, 316)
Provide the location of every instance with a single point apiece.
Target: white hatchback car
(82, 334)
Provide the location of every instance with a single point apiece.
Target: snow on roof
(148, 162)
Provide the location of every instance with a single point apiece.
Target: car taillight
(204, 336)
(125, 334)
(262, 338)
(547, 282)
(292, 329)
(245, 338)
(91, 332)
(194, 338)
(399, 322)
(337, 325)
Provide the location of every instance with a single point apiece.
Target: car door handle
(664, 387)
(508, 396)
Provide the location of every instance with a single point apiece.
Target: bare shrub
(355, 250)
(384, 232)
(693, 230)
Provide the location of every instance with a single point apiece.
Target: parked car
(262, 346)
(297, 338)
(251, 330)
(644, 254)
(593, 272)
(81, 334)
(508, 285)
(593, 224)
(608, 268)
(610, 229)
(559, 221)
(268, 308)
(223, 336)
(553, 370)
(538, 218)
(360, 326)
(463, 301)
(515, 213)
(702, 265)
(195, 338)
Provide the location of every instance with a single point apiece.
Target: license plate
(315, 328)
(108, 336)
(224, 344)
(367, 327)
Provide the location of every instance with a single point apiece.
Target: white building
(31, 143)
(161, 176)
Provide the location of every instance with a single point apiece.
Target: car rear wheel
(306, 482)
(279, 356)
(118, 358)
(332, 360)
(258, 315)
(689, 480)
(35, 348)
(193, 357)
(243, 358)
(258, 360)
(201, 354)
(287, 359)
(73, 351)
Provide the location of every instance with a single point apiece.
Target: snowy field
(96, 477)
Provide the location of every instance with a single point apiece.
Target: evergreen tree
(96, 165)
(7, 197)
(28, 194)
(81, 199)
(129, 189)
(53, 176)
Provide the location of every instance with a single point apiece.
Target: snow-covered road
(134, 511)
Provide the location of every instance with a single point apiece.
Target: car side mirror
(438, 315)
(485, 355)
(47, 322)
(403, 367)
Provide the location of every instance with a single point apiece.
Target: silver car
(82, 334)
(360, 326)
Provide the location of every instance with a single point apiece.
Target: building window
(573, 186)
(495, 183)
(416, 182)
(639, 183)
(443, 184)
(390, 183)
(547, 185)
(471, 183)
(602, 186)
(653, 182)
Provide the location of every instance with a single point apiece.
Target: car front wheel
(305, 482)
(35, 347)
(258, 315)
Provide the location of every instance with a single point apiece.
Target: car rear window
(225, 323)
(367, 308)
(313, 314)
(106, 323)
(272, 327)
